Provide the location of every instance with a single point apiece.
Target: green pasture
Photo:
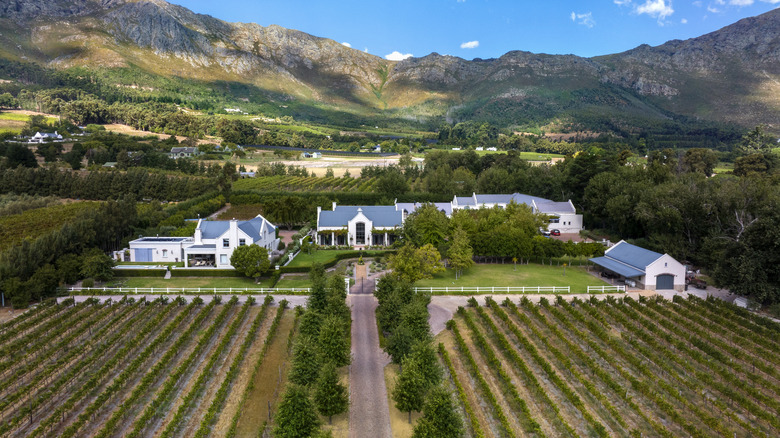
(509, 275)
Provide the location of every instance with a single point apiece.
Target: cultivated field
(305, 184)
(142, 369)
(615, 368)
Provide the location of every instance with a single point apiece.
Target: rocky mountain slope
(731, 75)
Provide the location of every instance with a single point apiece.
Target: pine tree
(331, 396)
(439, 417)
(296, 417)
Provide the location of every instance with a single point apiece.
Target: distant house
(312, 155)
(183, 152)
(211, 246)
(111, 164)
(562, 215)
(247, 174)
(492, 149)
(40, 137)
(648, 269)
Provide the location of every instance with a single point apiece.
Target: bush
(281, 246)
(88, 282)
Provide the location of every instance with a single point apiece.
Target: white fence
(494, 290)
(189, 291)
(601, 289)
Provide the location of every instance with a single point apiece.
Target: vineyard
(614, 368)
(306, 184)
(36, 222)
(138, 368)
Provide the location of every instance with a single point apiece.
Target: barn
(648, 269)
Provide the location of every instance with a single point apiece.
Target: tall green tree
(331, 396)
(460, 253)
(427, 225)
(333, 341)
(250, 260)
(410, 388)
(305, 363)
(440, 418)
(98, 266)
(411, 264)
(297, 415)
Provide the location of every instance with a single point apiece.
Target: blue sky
(490, 28)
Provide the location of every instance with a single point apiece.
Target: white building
(649, 269)
(211, 246)
(339, 226)
(358, 225)
(40, 137)
(183, 152)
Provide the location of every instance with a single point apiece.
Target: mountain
(731, 75)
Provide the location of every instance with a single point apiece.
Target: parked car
(544, 232)
(555, 232)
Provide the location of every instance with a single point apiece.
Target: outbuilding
(647, 269)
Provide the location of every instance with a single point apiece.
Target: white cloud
(697, 3)
(656, 8)
(713, 10)
(347, 45)
(398, 56)
(774, 2)
(684, 21)
(470, 45)
(622, 2)
(741, 2)
(584, 19)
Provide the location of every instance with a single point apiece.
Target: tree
(305, 363)
(297, 415)
(98, 266)
(460, 253)
(333, 341)
(410, 264)
(250, 260)
(426, 225)
(392, 183)
(700, 160)
(440, 418)
(410, 388)
(399, 344)
(331, 396)
(424, 356)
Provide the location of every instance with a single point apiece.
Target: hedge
(139, 272)
(205, 273)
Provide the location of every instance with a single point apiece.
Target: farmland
(614, 368)
(137, 368)
(36, 222)
(305, 184)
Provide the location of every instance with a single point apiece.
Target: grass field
(505, 275)
(188, 282)
(321, 256)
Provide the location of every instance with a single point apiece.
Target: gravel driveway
(369, 414)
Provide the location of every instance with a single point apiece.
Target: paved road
(369, 414)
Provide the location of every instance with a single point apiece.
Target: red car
(555, 232)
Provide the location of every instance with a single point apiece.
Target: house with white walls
(211, 246)
(358, 226)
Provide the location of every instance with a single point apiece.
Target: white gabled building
(359, 226)
(40, 137)
(649, 269)
(211, 246)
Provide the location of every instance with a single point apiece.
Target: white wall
(162, 252)
(665, 265)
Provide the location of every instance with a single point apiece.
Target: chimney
(334, 205)
(198, 233)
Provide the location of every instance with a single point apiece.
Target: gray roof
(253, 228)
(380, 215)
(464, 200)
(555, 207)
(411, 207)
(632, 255)
(189, 150)
(212, 246)
(617, 267)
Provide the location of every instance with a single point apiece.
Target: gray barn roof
(253, 228)
(627, 260)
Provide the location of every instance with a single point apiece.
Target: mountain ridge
(730, 75)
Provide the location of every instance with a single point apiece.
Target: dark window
(360, 233)
(226, 243)
(241, 242)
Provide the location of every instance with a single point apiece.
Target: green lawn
(186, 282)
(294, 281)
(530, 275)
(318, 256)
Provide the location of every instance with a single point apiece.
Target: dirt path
(369, 414)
